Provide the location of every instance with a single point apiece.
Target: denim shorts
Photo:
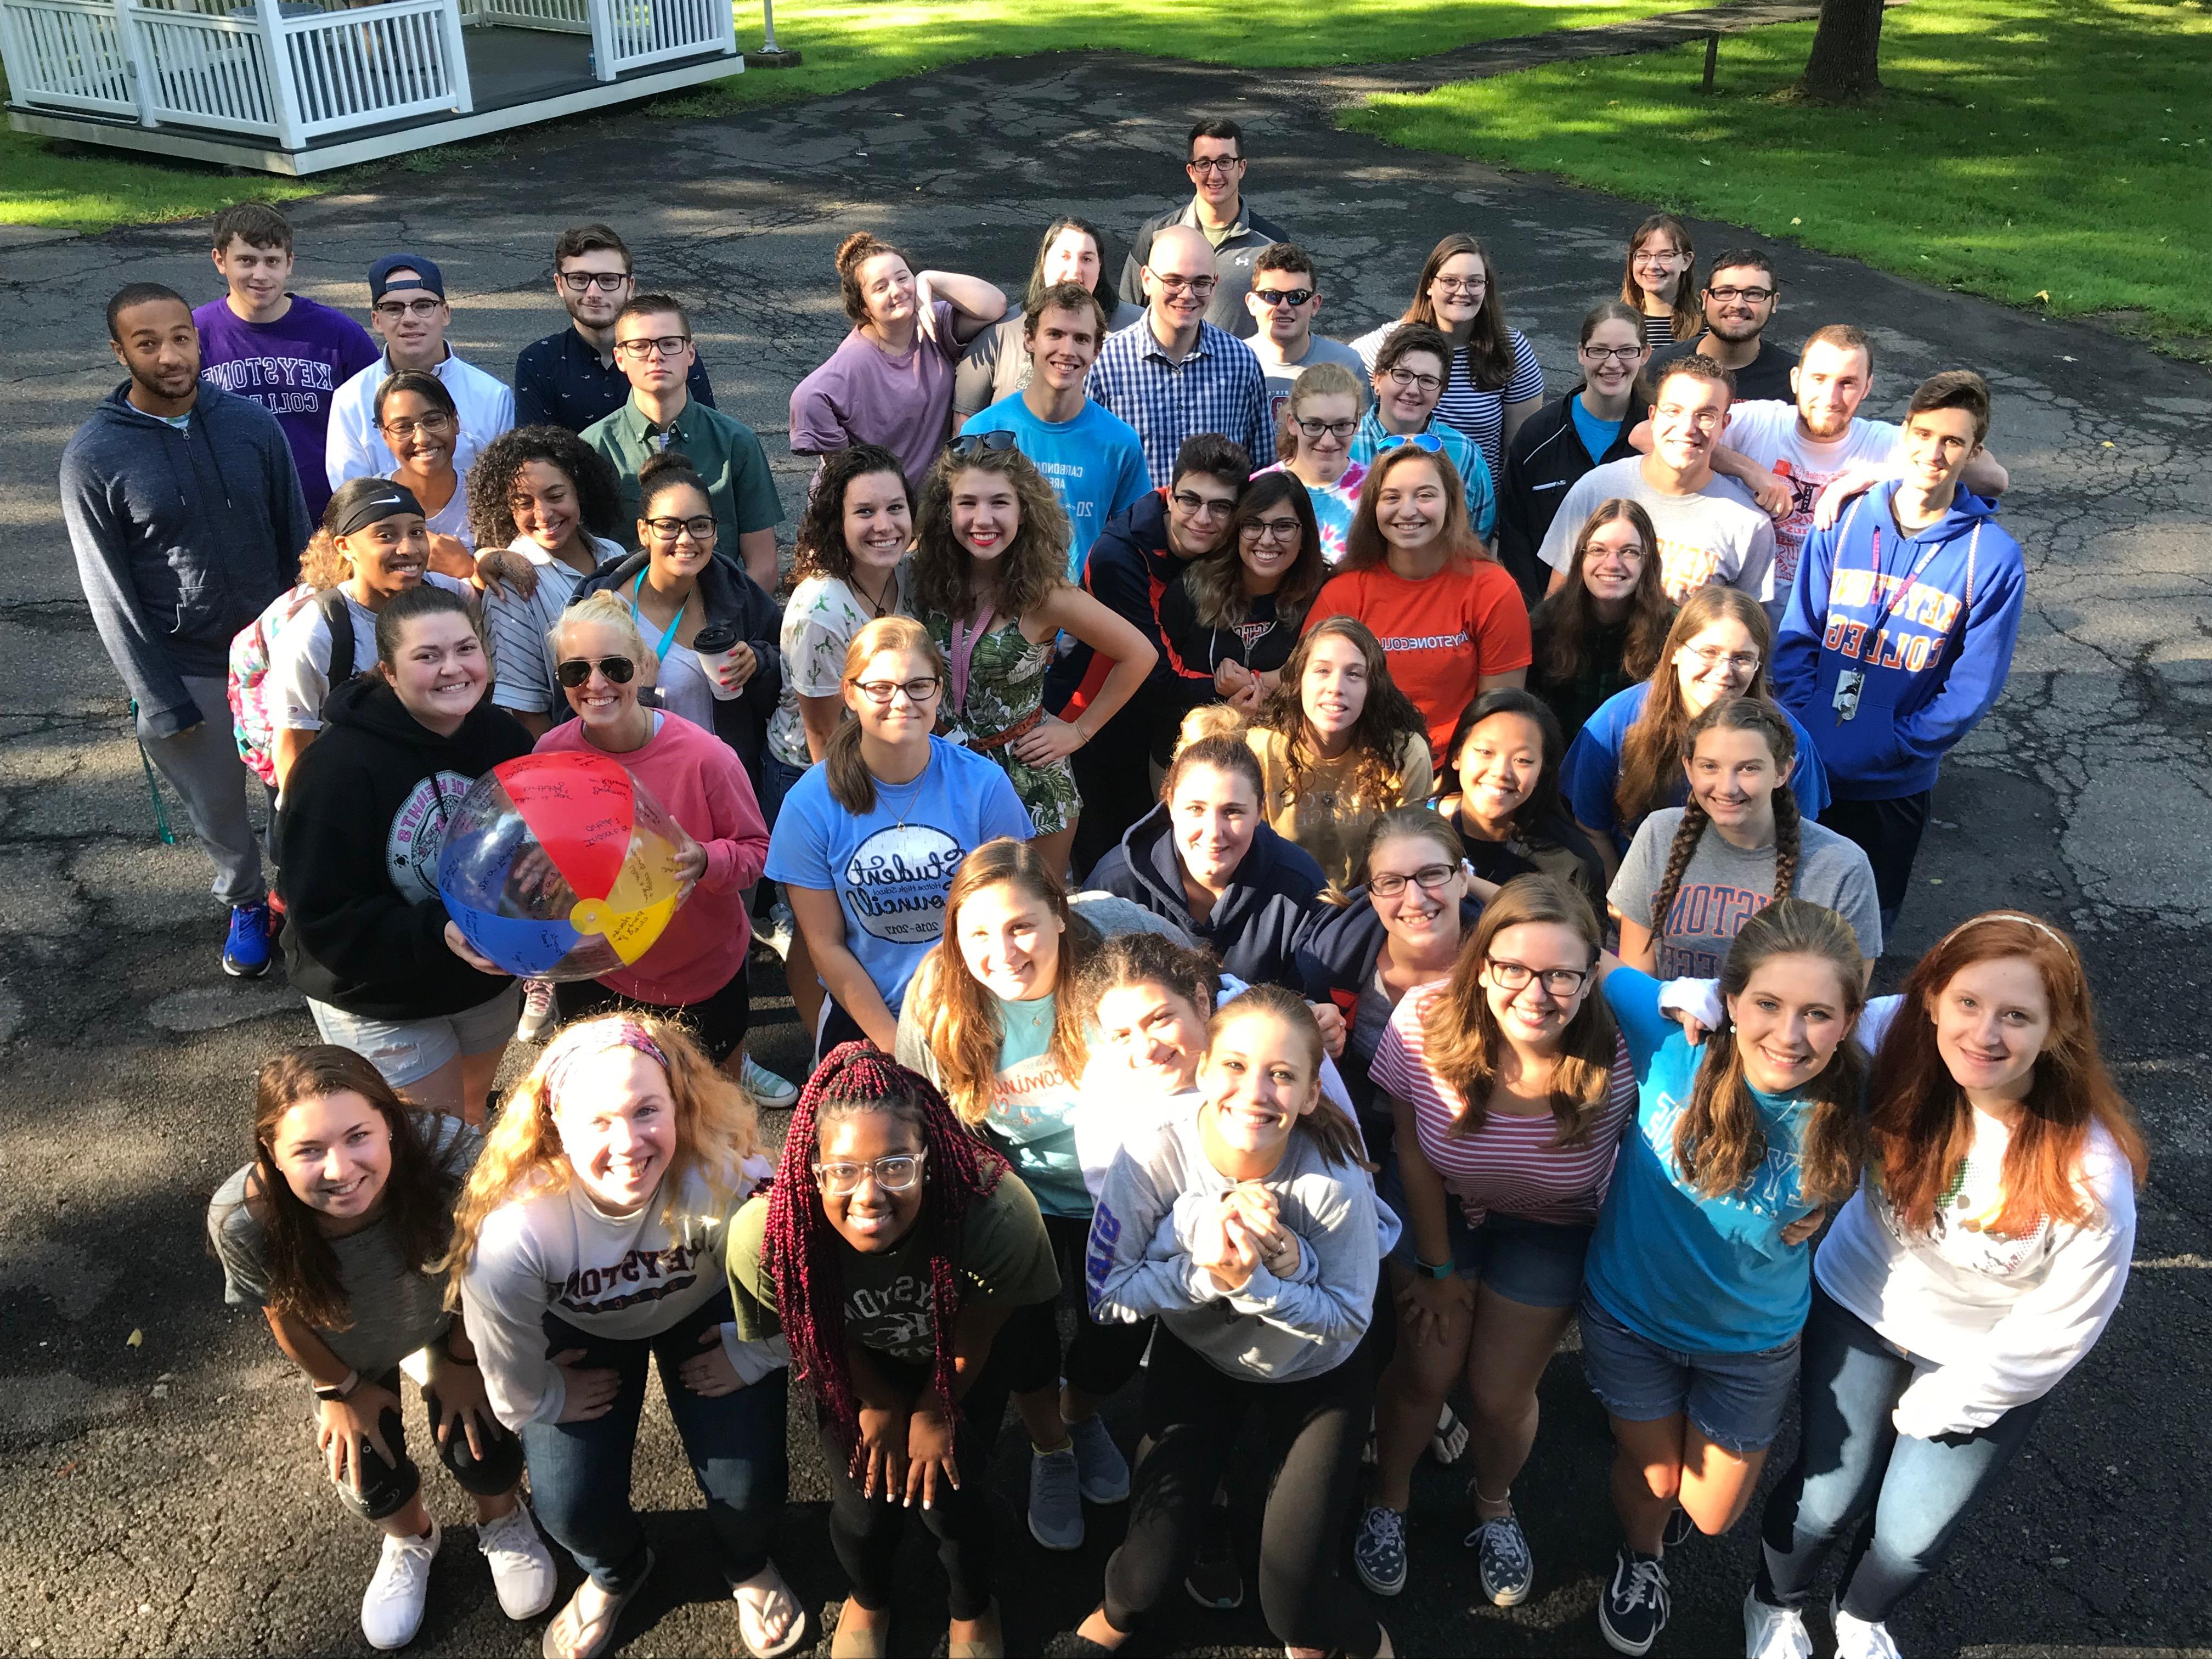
(778, 778)
(1734, 1400)
(1537, 1264)
(406, 1051)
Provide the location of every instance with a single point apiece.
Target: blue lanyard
(636, 615)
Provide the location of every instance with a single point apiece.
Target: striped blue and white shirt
(1219, 387)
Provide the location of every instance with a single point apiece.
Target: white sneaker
(1857, 1639)
(392, 1607)
(766, 1087)
(1773, 1632)
(521, 1567)
(537, 1010)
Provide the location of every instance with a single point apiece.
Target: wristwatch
(341, 1390)
(1434, 1270)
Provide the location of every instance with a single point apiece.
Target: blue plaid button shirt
(1219, 387)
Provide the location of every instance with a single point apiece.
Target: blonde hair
(717, 1128)
(1209, 720)
(604, 609)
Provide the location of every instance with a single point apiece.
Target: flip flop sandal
(756, 1598)
(570, 1636)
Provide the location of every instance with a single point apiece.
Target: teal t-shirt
(1597, 435)
(1692, 1273)
(1032, 1114)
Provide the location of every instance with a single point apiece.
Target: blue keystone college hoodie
(1930, 617)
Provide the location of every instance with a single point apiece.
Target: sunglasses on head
(576, 670)
(975, 443)
(1423, 440)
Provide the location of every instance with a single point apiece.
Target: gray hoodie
(181, 538)
(1273, 1330)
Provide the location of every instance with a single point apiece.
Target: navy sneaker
(246, 952)
(1631, 1609)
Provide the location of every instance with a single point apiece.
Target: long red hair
(1922, 1125)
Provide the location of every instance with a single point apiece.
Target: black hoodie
(1254, 926)
(364, 815)
(1541, 464)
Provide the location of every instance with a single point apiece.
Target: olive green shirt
(731, 462)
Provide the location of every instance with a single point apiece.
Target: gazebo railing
(559, 16)
(632, 34)
(377, 64)
(210, 72)
(68, 55)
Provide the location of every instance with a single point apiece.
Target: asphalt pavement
(157, 1488)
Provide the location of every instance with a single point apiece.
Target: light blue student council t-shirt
(1692, 1274)
(891, 868)
(1095, 463)
(1032, 1113)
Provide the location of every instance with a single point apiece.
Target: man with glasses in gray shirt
(1218, 210)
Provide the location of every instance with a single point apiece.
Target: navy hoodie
(363, 819)
(1935, 646)
(1254, 926)
(182, 538)
(1336, 957)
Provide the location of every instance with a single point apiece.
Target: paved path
(159, 1497)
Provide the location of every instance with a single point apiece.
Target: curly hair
(717, 1128)
(1650, 770)
(1736, 714)
(819, 549)
(492, 477)
(1215, 582)
(1144, 957)
(1719, 1141)
(946, 574)
(416, 1201)
(853, 253)
(1386, 720)
(798, 1248)
(1565, 624)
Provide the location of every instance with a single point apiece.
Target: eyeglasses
(1199, 286)
(1214, 163)
(576, 670)
(666, 345)
(1427, 441)
(975, 443)
(1597, 354)
(1270, 529)
(1430, 878)
(670, 530)
(431, 425)
(393, 310)
(607, 282)
(1462, 284)
(1755, 296)
(1333, 428)
(881, 692)
(1427, 383)
(1278, 296)
(1561, 982)
(897, 1174)
(1743, 662)
(1200, 507)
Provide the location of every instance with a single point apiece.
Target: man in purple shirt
(288, 354)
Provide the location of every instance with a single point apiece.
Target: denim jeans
(1902, 1499)
(579, 1472)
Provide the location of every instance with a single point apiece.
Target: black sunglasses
(975, 443)
(577, 669)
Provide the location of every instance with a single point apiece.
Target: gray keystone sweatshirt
(1273, 1330)
(181, 538)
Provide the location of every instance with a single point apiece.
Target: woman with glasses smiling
(712, 628)
(422, 429)
(868, 842)
(1409, 376)
(1319, 423)
(1231, 619)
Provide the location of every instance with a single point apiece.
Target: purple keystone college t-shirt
(292, 368)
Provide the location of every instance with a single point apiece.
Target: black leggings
(717, 1020)
(1314, 1430)
(1026, 1357)
(388, 1488)
(865, 1531)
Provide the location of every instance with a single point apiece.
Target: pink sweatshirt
(702, 783)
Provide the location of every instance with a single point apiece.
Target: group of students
(1198, 899)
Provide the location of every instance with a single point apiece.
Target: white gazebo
(301, 86)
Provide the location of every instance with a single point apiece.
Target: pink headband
(594, 1036)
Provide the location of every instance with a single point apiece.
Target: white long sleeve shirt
(354, 448)
(622, 1277)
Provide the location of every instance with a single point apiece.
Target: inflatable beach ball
(561, 867)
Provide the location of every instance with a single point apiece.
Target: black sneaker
(1632, 1610)
(1214, 1579)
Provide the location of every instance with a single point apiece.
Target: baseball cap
(428, 275)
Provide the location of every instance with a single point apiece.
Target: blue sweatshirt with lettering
(1930, 617)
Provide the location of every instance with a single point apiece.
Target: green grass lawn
(849, 45)
(2051, 153)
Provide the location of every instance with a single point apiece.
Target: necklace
(881, 607)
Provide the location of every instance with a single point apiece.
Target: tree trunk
(1844, 65)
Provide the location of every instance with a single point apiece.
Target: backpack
(249, 666)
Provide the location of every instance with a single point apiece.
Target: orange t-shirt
(1442, 637)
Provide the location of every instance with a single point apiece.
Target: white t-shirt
(1765, 430)
(354, 448)
(819, 621)
(452, 519)
(300, 658)
(1718, 535)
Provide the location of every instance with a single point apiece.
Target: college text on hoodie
(363, 818)
(1930, 616)
(182, 538)
(1542, 463)
(1254, 927)
(1335, 962)
(729, 596)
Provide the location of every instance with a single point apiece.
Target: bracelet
(342, 1389)
(1433, 1270)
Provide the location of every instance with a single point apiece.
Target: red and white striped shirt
(1510, 1164)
